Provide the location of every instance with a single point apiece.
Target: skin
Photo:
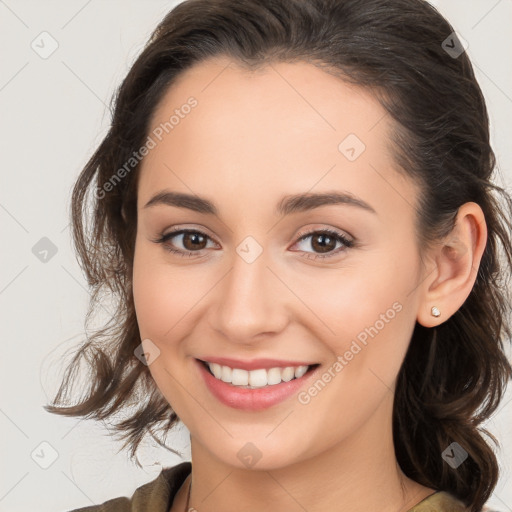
(253, 138)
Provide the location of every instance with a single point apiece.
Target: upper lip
(254, 364)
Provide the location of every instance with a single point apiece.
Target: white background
(53, 115)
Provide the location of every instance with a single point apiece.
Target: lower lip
(252, 399)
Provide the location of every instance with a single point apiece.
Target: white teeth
(239, 377)
(256, 378)
(216, 370)
(273, 376)
(288, 373)
(226, 373)
(300, 371)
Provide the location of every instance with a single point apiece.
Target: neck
(358, 474)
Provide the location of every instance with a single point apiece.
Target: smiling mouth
(259, 378)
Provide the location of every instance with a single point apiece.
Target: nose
(249, 303)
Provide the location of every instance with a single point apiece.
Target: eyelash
(334, 234)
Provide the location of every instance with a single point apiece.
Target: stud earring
(435, 311)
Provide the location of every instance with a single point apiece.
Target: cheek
(372, 320)
(155, 294)
(367, 317)
(166, 297)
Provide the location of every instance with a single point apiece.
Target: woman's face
(247, 285)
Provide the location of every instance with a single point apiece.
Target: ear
(453, 266)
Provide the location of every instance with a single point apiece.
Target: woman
(294, 209)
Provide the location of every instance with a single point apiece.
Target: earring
(435, 311)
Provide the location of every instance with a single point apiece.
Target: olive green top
(158, 495)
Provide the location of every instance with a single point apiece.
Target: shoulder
(443, 502)
(439, 502)
(154, 496)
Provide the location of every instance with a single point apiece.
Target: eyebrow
(289, 204)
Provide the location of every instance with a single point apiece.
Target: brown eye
(323, 242)
(193, 241)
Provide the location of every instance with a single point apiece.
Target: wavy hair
(454, 375)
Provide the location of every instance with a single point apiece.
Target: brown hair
(454, 375)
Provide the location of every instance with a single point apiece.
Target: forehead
(285, 125)
(297, 96)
